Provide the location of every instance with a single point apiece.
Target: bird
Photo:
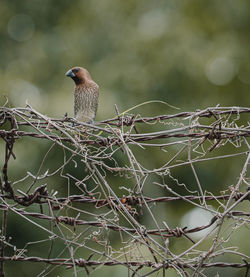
(86, 94)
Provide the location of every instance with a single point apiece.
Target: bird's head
(79, 74)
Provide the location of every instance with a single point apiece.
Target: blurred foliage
(192, 54)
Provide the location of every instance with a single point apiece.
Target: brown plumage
(85, 96)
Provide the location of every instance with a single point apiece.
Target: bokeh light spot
(195, 218)
(21, 27)
(22, 91)
(152, 24)
(220, 71)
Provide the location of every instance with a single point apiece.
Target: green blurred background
(192, 54)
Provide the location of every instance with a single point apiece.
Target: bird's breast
(86, 103)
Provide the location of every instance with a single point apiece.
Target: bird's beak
(70, 73)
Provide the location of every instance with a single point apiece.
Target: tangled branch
(94, 183)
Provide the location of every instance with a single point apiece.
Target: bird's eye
(76, 70)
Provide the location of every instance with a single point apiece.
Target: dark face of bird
(79, 74)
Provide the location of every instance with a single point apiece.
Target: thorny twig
(111, 190)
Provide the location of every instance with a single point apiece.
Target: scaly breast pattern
(86, 102)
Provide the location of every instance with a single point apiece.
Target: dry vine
(97, 208)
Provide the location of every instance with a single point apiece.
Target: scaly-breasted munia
(85, 96)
